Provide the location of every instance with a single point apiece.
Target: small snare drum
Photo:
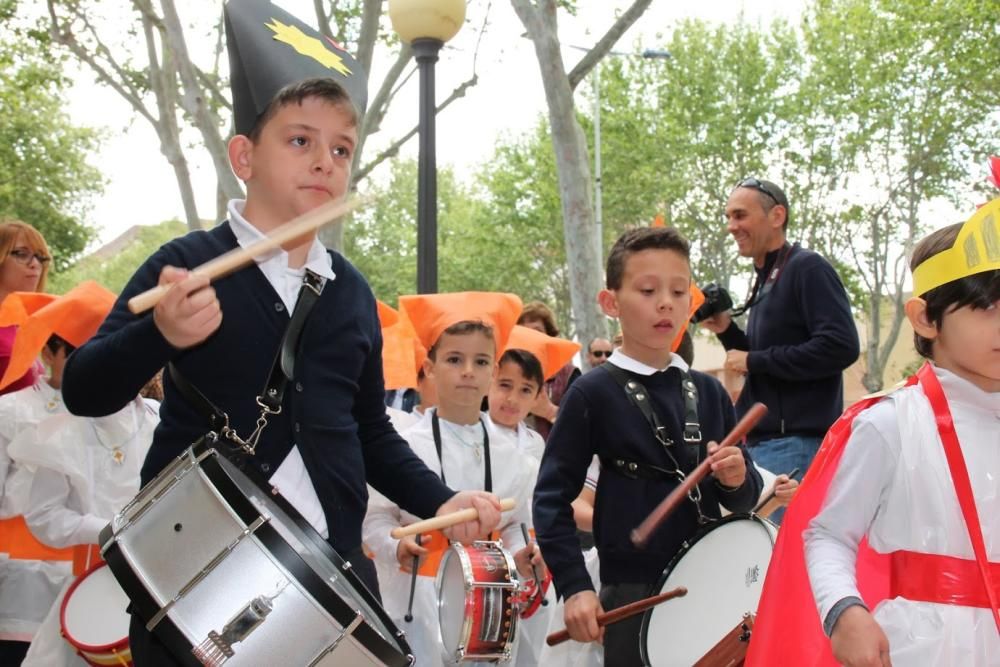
(93, 618)
(723, 569)
(477, 590)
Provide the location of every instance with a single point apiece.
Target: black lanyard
(436, 428)
(758, 292)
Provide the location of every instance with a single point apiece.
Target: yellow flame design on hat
(977, 249)
(308, 46)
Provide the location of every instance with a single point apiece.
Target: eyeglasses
(757, 185)
(601, 353)
(24, 256)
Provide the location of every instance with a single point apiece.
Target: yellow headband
(977, 249)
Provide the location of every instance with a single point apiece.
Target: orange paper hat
(552, 352)
(387, 315)
(74, 317)
(402, 353)
(18, 306)
(431, 314)
(697, 298)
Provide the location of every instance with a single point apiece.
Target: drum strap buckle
(282, 371)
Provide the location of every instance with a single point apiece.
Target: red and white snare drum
(93, 618)
(477, 590)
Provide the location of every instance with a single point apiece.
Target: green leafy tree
(45, 179)
(905, 92)
(715, 112)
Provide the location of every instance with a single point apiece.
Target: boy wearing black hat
(297, 98)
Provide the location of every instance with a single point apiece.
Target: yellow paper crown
(977, 249)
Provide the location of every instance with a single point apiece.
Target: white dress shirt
(291, 479)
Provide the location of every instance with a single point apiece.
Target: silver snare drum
(225, 572)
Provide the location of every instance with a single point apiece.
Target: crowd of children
(899, 511)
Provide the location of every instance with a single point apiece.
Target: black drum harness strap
(436, 430)
(282, 370)
(639, 397)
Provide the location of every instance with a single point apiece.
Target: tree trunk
(572, 160)
(194, 102)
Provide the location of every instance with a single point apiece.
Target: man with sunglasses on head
(598, 351)
(800, 333)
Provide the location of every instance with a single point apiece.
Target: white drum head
(724, 574)
(451, 599)
(94, 614)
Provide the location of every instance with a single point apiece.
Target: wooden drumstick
(446, 520)
(620, 614)
(641, 535)
(239, 257)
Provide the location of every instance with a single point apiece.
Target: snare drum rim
(88, 648)
(688, 545)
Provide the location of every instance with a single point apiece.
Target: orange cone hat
(402, 353)
(697, 298)
(431, 314)
(553, 353)
(74, 317)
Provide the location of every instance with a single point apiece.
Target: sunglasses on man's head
(601, 353)
(24, 256)
(757, 185)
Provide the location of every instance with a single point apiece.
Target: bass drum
(723, 568)
(222, 571)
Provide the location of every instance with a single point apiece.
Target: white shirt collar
(627, 363)
(317, 260)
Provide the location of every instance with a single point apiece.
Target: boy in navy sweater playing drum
(297, 100)
(648, 275)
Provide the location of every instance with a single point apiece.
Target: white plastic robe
(27, 587)
(77, 488)
(894, 485)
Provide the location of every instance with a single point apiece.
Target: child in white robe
(462, 333)
(924, 494)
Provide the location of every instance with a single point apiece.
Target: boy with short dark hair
(296, 98)
(530, 359)
(648, 279)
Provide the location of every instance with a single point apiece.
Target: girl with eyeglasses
(24, 266)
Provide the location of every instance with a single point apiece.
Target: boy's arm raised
(108, 371)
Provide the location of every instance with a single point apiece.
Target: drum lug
(348, 629)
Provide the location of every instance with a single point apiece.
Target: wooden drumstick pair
(641, 535)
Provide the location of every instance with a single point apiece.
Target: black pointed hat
(270, 49)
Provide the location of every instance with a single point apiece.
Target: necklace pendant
(118, 455)
(479, 453)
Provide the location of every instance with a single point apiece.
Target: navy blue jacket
(334, 410)
(800, 337)
(596, 417)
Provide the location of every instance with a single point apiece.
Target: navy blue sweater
(334, 411)
(596, 417)
(800, 337)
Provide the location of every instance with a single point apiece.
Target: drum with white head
(723, 569)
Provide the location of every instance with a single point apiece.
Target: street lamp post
(426, 25)
(598, 194)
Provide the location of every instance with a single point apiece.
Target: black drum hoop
(685, 548)
(146, 607)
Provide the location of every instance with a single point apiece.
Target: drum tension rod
(348, 629)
